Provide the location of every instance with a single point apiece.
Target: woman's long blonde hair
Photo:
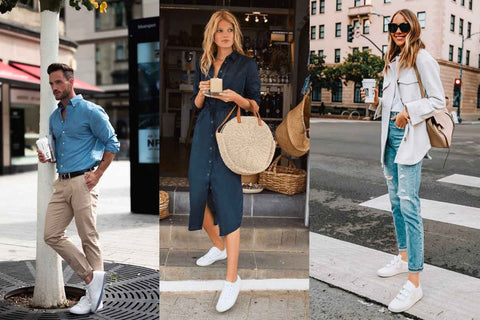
(209, 46)
(412, 46)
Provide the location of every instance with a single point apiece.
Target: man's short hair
(66, 69)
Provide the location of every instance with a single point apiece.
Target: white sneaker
(396, 266)
(406, 298)
(82, 307)
(214, 254)
(95, 289)
(229, 295)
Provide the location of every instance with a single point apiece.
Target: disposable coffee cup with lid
(369, 88)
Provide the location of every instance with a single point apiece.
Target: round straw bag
(246, 143)
(164, 200)
(292, 133)
(287, 180)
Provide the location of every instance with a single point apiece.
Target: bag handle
(423, 96)
(253, 103)
(273, 166)
(419, 80)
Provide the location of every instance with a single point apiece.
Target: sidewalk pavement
(125, 237)
(251, 305)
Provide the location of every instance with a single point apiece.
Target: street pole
(461, 73)
(49, 285)
(383, 54)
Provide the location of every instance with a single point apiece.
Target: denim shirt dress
(211, 181)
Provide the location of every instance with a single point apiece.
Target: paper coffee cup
(369, 88)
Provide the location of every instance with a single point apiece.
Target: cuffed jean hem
(402, 249)
(415, 271)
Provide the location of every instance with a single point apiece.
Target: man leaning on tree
(85, 145)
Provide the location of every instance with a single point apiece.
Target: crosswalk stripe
(436, 210)
(463, 180)
(246, 285)
(447, 294)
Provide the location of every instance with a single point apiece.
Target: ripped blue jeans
(403, 183)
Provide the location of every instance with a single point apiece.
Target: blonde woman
(216, 197)
(404, 144)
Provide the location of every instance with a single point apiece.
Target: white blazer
(415, 143)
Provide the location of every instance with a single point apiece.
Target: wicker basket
(164, 200)
(287, 180)
(292, 134)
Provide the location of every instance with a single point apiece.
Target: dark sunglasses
(404, 27)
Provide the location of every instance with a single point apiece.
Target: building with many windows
(102, 55)
(445, 23)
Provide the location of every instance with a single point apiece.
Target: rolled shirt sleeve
(103, 130)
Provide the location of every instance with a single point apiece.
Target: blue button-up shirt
(82, 138)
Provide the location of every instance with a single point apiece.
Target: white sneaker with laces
(229, 295)
(82, 307)
(214, 254)
(406, 298)
(95, 289)
(396, 266)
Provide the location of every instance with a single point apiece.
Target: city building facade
(444, 24)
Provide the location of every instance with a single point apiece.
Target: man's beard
(65, 93)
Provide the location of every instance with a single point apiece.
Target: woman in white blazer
(404, 144)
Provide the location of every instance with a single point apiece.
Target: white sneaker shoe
(396, 266)
(214, 254)
(229, 295)
(95, 289)
(406, 298)
(82, 307)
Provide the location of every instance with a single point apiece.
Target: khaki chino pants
(72, 199)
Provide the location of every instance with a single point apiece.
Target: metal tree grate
(131, 293)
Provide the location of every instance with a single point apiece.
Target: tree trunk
(49, 286)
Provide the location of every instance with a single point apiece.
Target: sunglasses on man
(404, 27)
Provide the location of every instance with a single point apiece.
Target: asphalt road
(346, 171)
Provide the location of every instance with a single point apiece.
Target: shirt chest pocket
(408, 86)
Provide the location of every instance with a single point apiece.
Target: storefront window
(24, 126)
(113, 68)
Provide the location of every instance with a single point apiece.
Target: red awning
(35, 71)
(8, 73)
